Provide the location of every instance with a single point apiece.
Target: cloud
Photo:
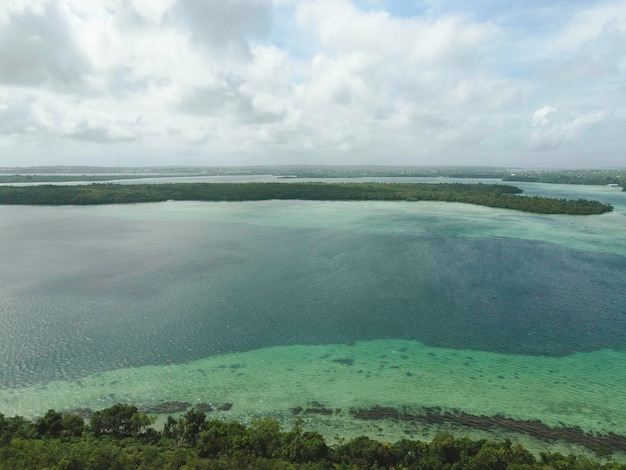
(384, 73)
(326, 81)
(29, 115)
(540, 117)
(87, 132)
(37, 48)
(260, 93)
(592, 46)
(389, 48)
(549, 136)
(226, 102)
(468, 132)
(592, 22)
(223, 26)
(489, 94)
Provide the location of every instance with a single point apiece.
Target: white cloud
(588, 24)
(574, 128)
(254, 81)
(223, 26)
(85, 131)
(540, 117)
(37, 48)
(489, 94)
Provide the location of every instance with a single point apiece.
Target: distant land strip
(497, 196)
(610, 177)
(67, 178)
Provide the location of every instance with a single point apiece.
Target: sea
(315, 310)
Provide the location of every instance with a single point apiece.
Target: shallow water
(271, 305)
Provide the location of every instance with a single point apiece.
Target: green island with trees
(491, 195)
(615, 177)
(122, 437)
(588, 177)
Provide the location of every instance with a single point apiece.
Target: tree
(50, 424)
(265, 437)
(119, 421)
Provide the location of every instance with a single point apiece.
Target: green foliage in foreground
(120, 438)
(500, 196)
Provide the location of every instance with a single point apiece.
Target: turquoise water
(275, 304)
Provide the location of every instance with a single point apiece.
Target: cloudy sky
(528, 83)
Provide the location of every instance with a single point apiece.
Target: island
(490, 195)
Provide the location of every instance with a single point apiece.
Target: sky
(523, 84)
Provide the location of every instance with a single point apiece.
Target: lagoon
(277, 304)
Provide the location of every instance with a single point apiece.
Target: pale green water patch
(584, 390)
(599, 233)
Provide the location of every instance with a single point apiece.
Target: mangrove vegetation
(122, 437)
(498, 196)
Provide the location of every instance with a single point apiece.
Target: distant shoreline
(598, 177)
(496, 196)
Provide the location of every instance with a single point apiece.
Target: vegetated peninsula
(498, 196)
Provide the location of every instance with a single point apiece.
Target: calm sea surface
(85, 290)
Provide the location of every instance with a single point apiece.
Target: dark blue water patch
(499, 295)
(81, 298)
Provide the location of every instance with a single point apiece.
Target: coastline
(272, 382)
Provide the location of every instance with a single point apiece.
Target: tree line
(65, 178)
(587, 177)
(497, 196)
(122, 437)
